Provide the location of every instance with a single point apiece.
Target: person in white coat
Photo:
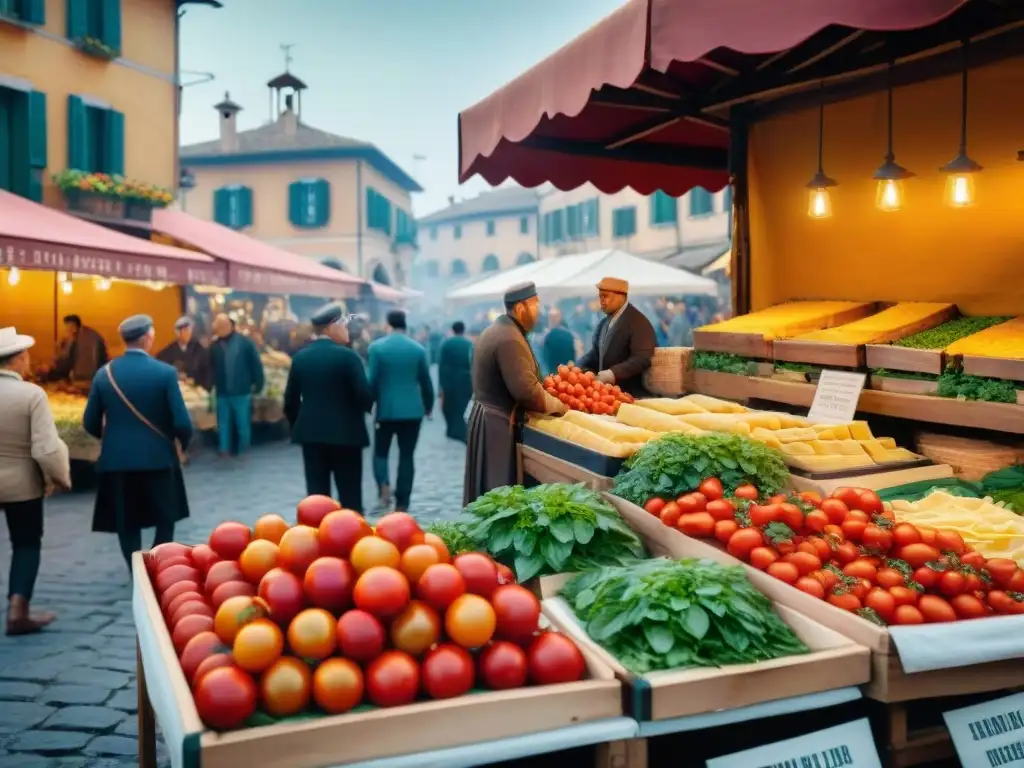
(33, 463)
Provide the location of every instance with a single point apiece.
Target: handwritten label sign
(989, 734)
(836, 398)
(849, 745)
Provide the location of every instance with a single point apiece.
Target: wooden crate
(823, 353)
(875, 481)
(753, 345)
(354, 737)
(889, 681)
(545, 468)
(993, 367)
(895, 358)
(903, 386)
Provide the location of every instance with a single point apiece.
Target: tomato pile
(848, 549)
(331, 613)
(581, 391)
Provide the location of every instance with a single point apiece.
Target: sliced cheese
(767, 437)
(797, 449)
(653, 421)
(826, 447)
(717, 422)
(613, 430)
(899, 454)
(827, 463)
(671, 405)
(859, 430)
(874, 449)
(888, 443)
(714, 405)
(851, 448)
(796, 435)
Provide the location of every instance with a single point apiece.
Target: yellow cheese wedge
(826, 447)
(796, 435)
(671, 405)
(759, 419)
(610, 429)
(825, 434)
(797, 449)
(888, 443)
(766, 437)
(874, 449)
(851, 448)
(899, 454)
(828, 463)
(580, 436)
(787, 420)
(651, 420)
(714, 405)
(859, 430)
(717, 422)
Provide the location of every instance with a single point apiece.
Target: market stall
(866, 269)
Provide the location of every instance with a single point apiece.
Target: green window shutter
(36, 144)
(572, 222)
(700, 201)
(296, 198)
(244, 195)
(77, 19)
(222, 206)
(595, 217)
(371, 208)
(110, 16)
(113, 142)
(524, 225)
(78, 134)
(32, 11)
(727, 200)
(490, 229)
(458, 232)
(322, 196)
(631, 221)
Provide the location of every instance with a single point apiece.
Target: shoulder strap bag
(182, 456)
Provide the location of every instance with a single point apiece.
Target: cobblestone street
(68, 695)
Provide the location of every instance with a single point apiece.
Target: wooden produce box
(889, 681)
(357, 736)
(895, 358)
(885, 477)
(903, 386)
(834, 662)
(824, 353)
(743, 344)
(993, 367)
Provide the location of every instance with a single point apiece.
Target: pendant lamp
(890, 175)
(961, 170)
(819, 203)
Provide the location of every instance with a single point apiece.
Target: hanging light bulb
(62, 277)
(102, 284)
(66, 287)
(819, 204)
(961, 170)
(13, 276)
(890, 175)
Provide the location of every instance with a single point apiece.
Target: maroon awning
(33, 236)
(600, 109)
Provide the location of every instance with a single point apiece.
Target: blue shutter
(33, 11)
(77, 20)
(78, 134)
(110, 16)
(244, 195)
(370, 206)
(727, 199)
(113, 144)
(322, 193)
(296, 200)
(595, 217)
(700, 201)
(222, 206)
(36, 144)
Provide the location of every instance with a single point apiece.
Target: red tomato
(853, 529)
(286, 687)
(747, 491)
(177, 589)
(189, 627)
(313, 509)
(724, 529)
(1001, 570)
(700, 525)
(505, 574)
(968, 607)
(743, 541)
(478, 571)
(177, 602)
(918, 555)
(847, 601)
(654, 506)
(221, 573)
(383, 591)
(225, 698)
(670, 513)
(440, 585)
(950, 541)
(167, 562)
(762, 515)
(935, 609)
(328, 583)
(416, 628)
(882, 603)
(975, 560)
(447, 672)
(849, 496)
(282, 593)
(711, 489)
(811, 497)
(171, 575)
(203, 557)
(340, 530)
(836, 510)
(791, 515)
(361, 636)
(889, 577)
(907, 614)
(904, 534)
(337, 685)
(313, 634)
(401, 529)
(786, 572)
(503, 665)
(827, 578)
(690, 503)
(721, 509)
(877, 539)
(230, 539)
(805, 562)
(190, 608)
(860, 569)
(815, 521)
(517, 613)
(905, 595)
(215, 661)
(952, 583)
(554, 658)
(811, 586)
(231, 589)
(162, 552)
(197, 650)
(821, 548)
(762, 557)
(869, 502)
(298, 548)
(846, 552)
(393, 679)
(925, 576)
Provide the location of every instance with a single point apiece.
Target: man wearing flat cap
(624, 341)
(136, 409)
(186, 354)
(506, 384)
(326, 401)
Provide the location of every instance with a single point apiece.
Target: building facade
(89, 85)
(338, 200)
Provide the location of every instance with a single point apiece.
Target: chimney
(289, 120)
(451, 199)
(227, 111)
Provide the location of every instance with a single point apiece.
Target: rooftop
(502, 201)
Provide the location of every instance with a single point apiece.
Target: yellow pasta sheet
(888, 325)
(1005, 340)
(784, 321)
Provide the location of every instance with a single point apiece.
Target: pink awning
(393, 295)
(253, 265)
(33, 236)
(612, 107)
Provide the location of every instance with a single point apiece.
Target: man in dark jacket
(559, 343)
(237, 376)
(325, 402)
(135, 408)
(186, 354)
(455, 380)
(623, 342)
(82, 352)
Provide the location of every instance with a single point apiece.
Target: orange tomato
(804, 561)
(907, 614)
(965, 606)
(416, 559)
(700, 525)
(889, 577)
(416, 628)
(338, 685)
(443, 555)
(861, 569)
(935, 609)
(371, 551)
(904, 595)
(816, 521)
(470, 621)
(904, 534)
(257, 645)
(270, 528)
(811, 586)
(882, 603)
(234, 613)
(259, 558)
(298, 548)
(286, 687)
(847, 601)
(743, 541)
(762, 557)
(950, 541)
(313, 634)
(724, 529)
(786, 572)
(827, 578)
(670, 513)
(918, 555)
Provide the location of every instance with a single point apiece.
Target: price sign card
(836, 398)
(989, 734)
(849, 745)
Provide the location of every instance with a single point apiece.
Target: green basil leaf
(660, 637)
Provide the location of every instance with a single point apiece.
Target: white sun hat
(11, 342)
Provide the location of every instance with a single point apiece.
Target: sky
(392, 72)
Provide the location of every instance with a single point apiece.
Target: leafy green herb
(953, 383)
(724, 362)
(781, 365)
(943, 335)
(668, 614)
(676, 464)
(912, 375)
(549, 529)
(452, 536)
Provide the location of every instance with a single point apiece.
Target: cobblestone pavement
(68, 695)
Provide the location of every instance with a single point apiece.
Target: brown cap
(613, 284)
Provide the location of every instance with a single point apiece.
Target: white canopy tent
(577, 276)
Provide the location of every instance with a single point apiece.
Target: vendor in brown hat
(623, 342)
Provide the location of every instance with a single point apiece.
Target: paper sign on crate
(835, 399)
(849, 745)
(989, 734)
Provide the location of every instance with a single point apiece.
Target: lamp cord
(821, 128)
(963, 102)
(890, 156)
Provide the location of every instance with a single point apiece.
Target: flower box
(99, 205)
(95, 47)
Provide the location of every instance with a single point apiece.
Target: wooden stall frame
(906, 359)
(545, 468)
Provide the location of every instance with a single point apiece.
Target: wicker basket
(669, 374)
(970, 459)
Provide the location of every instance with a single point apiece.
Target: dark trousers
(131, 540)
(454, 411)
(345, 462)
(408, 433)
(25, 526)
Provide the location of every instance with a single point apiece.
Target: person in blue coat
(400, 380)
(136, 410)
(559, 344)
(237, 376)
(455, 380)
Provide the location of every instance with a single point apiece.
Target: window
(700, 202)
(573, 218)
(458, 268)
(378, 211)
(624, 221)
(28, 11)
(95, 20)
(405, 228)
(431, 268)
(95, 138)
(490, 263)
(490, 228)
(524, 225)
(232, 206)
(22, 142)
(457, 232)
(556, 231)
(664, 208)
(589, 224)
(309, 203)
(524, 258)
(433, 233)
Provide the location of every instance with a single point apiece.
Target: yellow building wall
(926, 252)
(141, 84)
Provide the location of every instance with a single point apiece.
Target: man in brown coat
(506, 384)
(623, 342)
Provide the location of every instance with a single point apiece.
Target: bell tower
(290, 87)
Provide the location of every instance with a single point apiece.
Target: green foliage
(549, 529)
(959, 385)
(677, 463)
(724, 362)
(667, 614)
(943, 335)
(452, 536)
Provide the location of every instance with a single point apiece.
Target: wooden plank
(903, 386)
(743, 344)
(545, 468)
(999, 417)
(876, 481)
(994, 367)
(621, 754)
(147, 721)
(894, 358)
(825, 354)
